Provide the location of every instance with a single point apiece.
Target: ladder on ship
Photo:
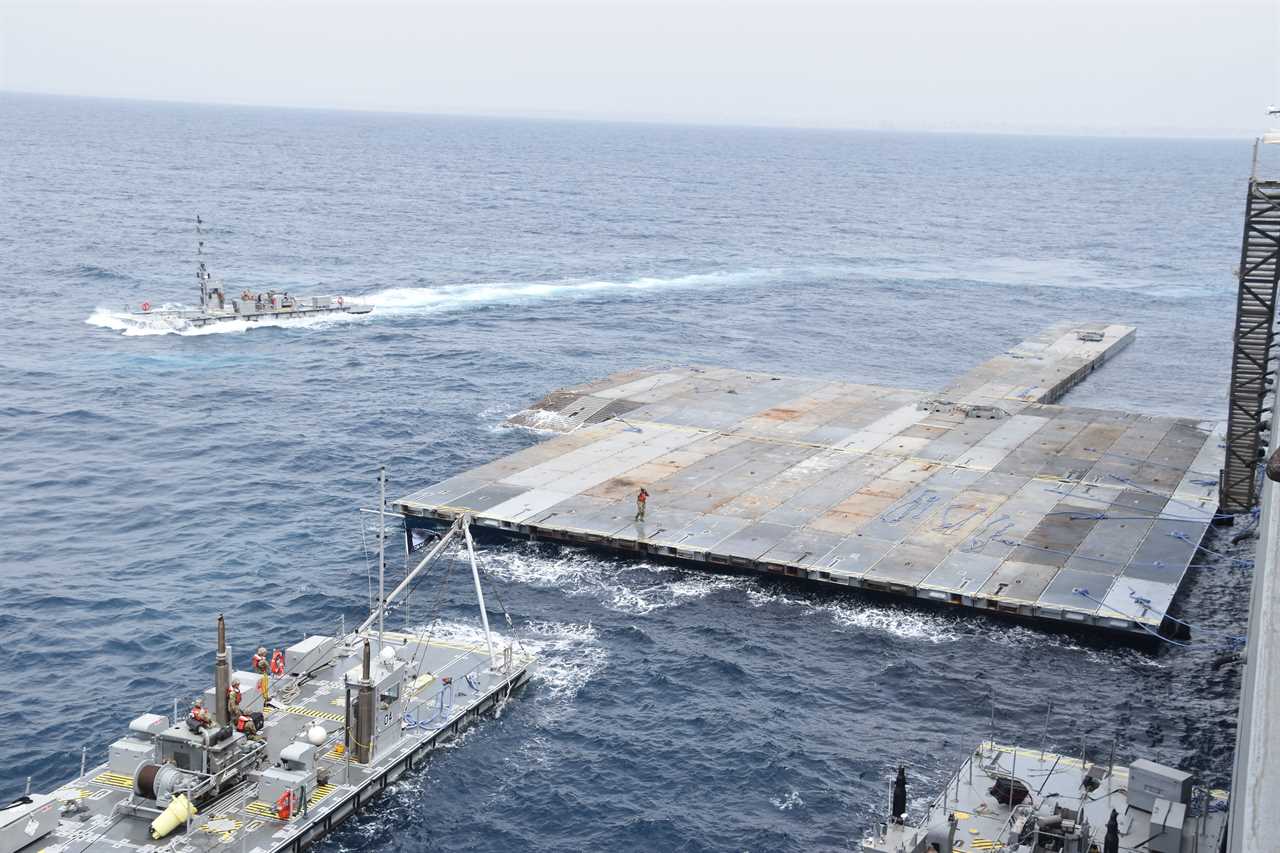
(1251, 373)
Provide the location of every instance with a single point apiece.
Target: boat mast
(382, 556)
(202, 273)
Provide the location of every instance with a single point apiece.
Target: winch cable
(1229, 639)
(442, 587)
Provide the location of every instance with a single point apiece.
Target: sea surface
(152, 481)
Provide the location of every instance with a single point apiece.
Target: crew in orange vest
(262, 666)
(199, 717)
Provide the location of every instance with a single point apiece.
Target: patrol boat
(217, 308)
(1009, 800)
(345, 715)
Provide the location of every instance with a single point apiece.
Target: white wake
(429, 299)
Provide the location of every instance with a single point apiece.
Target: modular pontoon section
(983, 495)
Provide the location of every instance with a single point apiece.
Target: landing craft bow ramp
(985, 494)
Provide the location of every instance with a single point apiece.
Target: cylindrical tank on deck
(363, 734)
(221, 677)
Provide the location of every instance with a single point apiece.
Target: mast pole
(201, 274)
(382, 556)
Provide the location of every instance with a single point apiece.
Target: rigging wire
(368, 566)
(506, 614)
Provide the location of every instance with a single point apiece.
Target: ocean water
(153, 481)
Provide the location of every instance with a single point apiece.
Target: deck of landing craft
(984, 494)
(239, 819)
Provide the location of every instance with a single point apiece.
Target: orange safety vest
(259, 663)
(240, 722)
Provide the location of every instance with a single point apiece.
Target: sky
(1129, 67)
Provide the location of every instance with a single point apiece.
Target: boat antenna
(382, 549)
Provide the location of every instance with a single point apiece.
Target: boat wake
(397, 301)
(447, 297)
(140, 325)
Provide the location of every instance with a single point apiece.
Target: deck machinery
(1009, 800)
(348, 715)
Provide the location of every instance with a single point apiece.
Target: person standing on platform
(642, 497)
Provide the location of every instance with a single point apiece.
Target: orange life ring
(277, 663)
(146, 306)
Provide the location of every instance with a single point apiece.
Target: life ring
(339, 301)
(146, 306)
(277, 663)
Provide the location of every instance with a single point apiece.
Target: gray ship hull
(197, 319)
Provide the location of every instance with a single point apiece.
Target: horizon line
(1084, 132)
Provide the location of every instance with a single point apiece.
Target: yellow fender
(179, 812)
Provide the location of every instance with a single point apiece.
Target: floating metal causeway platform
(984, 495)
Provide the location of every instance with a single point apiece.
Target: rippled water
(152, 481)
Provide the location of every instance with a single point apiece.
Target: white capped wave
(899, 622)
(568, 655)
(903, 623)
(571, 656)
(641, 588)
(535, 420)
(789, 802)
(579, 573)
